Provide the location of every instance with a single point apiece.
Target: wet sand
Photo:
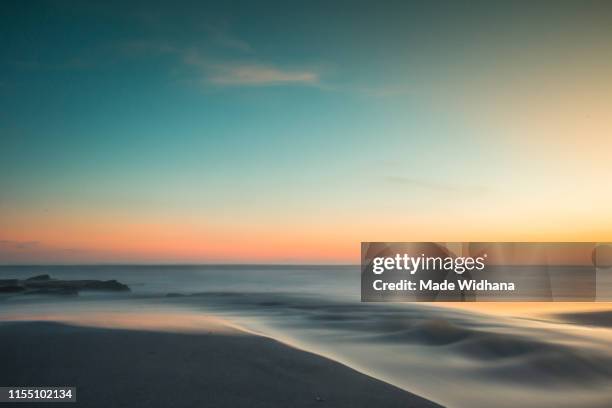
(132, 368)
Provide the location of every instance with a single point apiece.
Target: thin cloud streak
(19, 245)
(434, 186)
(213, 71)
(258, 75)
(241, 73)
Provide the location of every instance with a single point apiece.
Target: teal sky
(301, 127)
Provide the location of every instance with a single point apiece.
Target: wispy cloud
(260, 75)
(434, 185)
(244, 73)
(218, 71)
(19, 245)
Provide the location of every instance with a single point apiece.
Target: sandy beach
(127, 368)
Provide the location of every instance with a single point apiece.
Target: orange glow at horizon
(69, 240)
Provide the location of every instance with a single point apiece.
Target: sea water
(476, 355)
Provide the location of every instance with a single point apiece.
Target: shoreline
(125, 367)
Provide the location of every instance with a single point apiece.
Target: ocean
(459, 355)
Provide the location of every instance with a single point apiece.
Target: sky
(289, 132)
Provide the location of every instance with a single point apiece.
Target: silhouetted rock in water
(44, 277)
(112, 285)
(11, 289)
(44, 284)
(53, 291)
(9, 282)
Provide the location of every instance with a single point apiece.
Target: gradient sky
(290, 132)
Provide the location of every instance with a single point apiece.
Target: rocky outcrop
(44, 284)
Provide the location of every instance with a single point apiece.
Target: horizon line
(175, 264)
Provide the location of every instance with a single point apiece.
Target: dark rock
(112, 285)
(9, 282)
(53, 291)
(109, 285)
(11, 289)
(44, 277)
(45, 285)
